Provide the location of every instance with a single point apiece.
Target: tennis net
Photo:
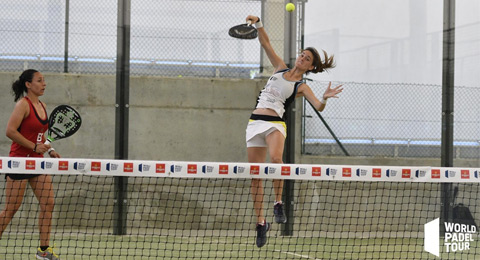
(131, 209)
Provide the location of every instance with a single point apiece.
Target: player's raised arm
(275, 60)
(319, 104)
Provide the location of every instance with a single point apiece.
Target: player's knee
(47, 205)
(276, 159)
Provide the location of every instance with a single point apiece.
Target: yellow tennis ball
(290, 7)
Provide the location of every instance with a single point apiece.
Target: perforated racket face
(63, 122)
(243, 31)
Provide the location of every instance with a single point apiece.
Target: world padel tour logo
(458, 237)
(239, 169)
(12, 164)
(143, 167)
(300, 171)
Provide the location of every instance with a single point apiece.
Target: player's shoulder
(22, 103)
(22, 107)
(302, 86)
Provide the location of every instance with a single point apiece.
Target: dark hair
(18, 87)
(317, 63)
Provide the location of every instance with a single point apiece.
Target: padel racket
(243, 31)
(63, 122)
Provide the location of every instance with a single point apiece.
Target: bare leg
(257, 155)
(14, 191)
(43, 189)
(276, 142)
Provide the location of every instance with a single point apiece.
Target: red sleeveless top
(33, 128)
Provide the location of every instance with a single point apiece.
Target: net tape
(182, 169)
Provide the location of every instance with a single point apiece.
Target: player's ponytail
(19, 87)
(320, 66)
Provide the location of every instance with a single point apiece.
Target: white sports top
(278, 93)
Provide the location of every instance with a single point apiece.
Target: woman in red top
(26, 128)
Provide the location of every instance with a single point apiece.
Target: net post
(448, 72)
(289, 185)
(121, 113)
(120, 205)
(290, 49)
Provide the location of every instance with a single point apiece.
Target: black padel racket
(243, 31)
(63, 122)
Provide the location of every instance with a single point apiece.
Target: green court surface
(161, 247)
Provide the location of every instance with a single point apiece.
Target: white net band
(181, 169)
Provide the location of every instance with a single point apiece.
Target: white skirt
(257, 130)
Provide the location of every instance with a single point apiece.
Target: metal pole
(289, 155)
(262, 16)
(329, 129)
(302, 46)
(121, 113)
(67, 25)
(447, 105)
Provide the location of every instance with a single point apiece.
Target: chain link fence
(189, 38)
(398, 119)
(168, 38)
(391, 120)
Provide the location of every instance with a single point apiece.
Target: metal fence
(168, 38)
(189, 38)
(398, 120)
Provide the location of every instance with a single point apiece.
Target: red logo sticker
(160, 168)
(406, 173)
(254, 169)
(63, 165)
(377, 172)
(316, 171)
(347, 172)
(435, 174)
(127, 167)
(192, 169)
(223, 169)
(465, 174)
(286, 170)
(96, 166)
(30, 165)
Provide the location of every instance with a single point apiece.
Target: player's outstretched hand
(332, 92)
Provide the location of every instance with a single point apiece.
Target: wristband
(35, 148)
(259, 24)
(50, 150)
(323, 101)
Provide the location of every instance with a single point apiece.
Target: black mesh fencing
(391, 120)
